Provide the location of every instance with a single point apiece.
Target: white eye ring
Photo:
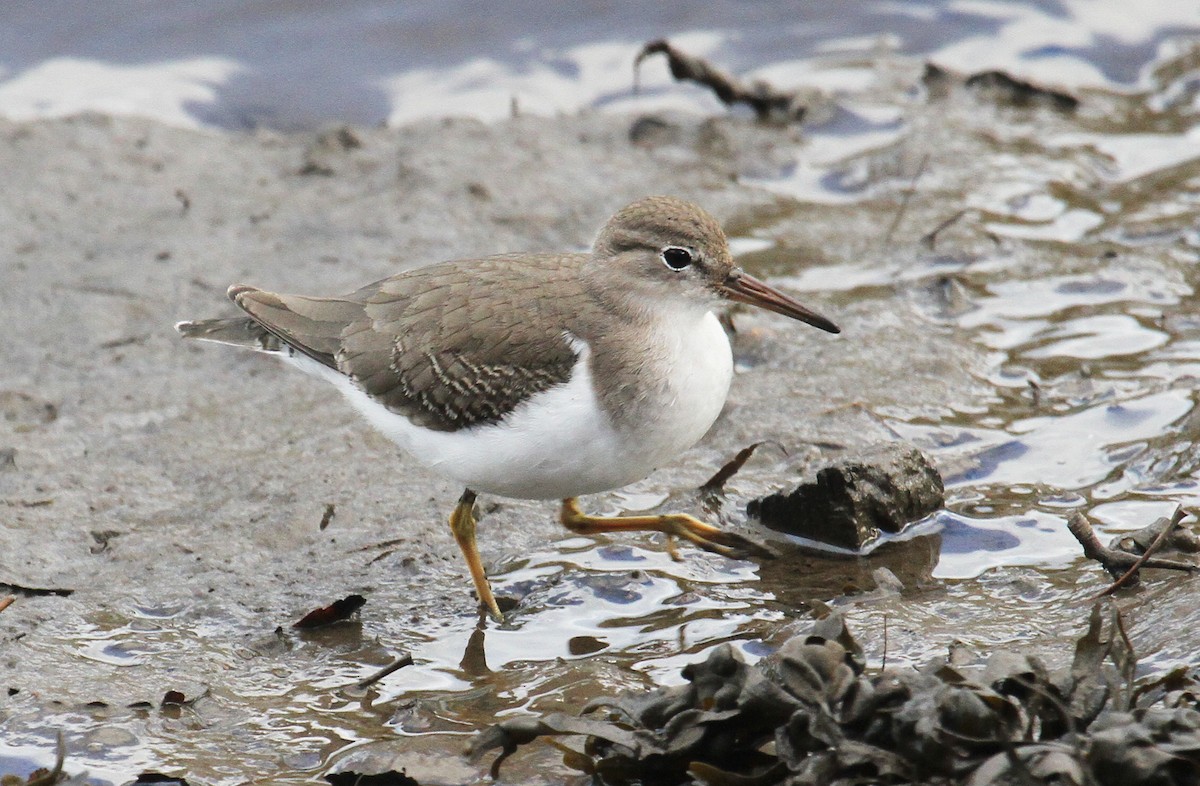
(676, 257)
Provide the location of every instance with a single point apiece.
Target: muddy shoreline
(178, 490)
(169, 467)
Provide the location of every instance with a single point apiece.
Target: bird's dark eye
(676, 258)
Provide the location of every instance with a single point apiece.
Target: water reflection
(369, 63)
(972, 545)
(1072, 274)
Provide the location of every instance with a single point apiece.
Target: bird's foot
(462, 524)
(673, 525)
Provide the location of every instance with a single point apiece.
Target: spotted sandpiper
(535, 376)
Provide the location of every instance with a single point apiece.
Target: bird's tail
(237, 331)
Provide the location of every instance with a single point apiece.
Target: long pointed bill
(745, 288)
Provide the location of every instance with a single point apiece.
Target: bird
(539, 376)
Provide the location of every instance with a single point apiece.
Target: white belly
(560, 443)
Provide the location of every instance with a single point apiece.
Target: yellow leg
(462, 524)
(680, 525)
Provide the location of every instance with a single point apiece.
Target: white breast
(560, 443)
(699, 366)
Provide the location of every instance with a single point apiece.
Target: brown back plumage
(427, 346)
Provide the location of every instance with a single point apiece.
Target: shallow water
(265, 63)
(1072, 274)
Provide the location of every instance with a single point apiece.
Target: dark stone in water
(855, 499)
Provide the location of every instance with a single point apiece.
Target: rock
(852, 501)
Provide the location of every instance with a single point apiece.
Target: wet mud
(1016, 286)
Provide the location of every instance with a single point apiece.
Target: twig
(1126, 661)
(404, 660)
(929, 240)
(6, 602)
(1144, 559)
(904, 200)
(883, 661)
(60, 758)
(716, 483)
(1116, 561)
(765, 100)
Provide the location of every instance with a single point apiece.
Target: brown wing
(447, 346)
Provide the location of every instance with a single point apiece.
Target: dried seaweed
(810, 714)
